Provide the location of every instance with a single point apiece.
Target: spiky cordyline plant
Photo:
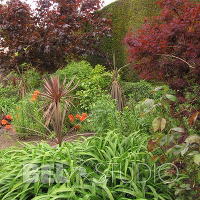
(59, 97)
(116, 89)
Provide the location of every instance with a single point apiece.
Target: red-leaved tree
(52, 34)
(167, 48)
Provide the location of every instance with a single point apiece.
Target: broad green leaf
(171, 97)
(159, 124)
(145, 106)
(197, 159)
(193, 139)
(158, 88)
(178, 129)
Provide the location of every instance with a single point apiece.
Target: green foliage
(104, 115)
(139, 113)
(8, 98)
(82, 70)
(28, 117)
(33, 79)
(88, 169)
(138, 91)
(193, 97)
(93, 82)
(131, 121)
(185, 155)
(190, 105)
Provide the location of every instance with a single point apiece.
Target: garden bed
(10, 139)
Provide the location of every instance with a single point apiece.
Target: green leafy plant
(33, 79)
(8, 98)
(87, 168)
(104, 115)
(184, 152)
(28, 117)
(94, 82)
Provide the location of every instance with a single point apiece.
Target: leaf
(148, 102)
(158, 88)
(151, 145)
(166, 140)
(145, 106)
(184, 151)
(193, 139)
(193, 118)
(178, 149)
(171, 97)
(178, 129)
(159, 124)
(197, 159)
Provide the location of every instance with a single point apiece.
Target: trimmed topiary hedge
(125, 14)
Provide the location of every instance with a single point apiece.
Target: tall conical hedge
(125, 14)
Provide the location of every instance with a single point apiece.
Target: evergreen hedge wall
(125, 14)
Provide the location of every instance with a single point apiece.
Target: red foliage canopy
(56, 31)
(168, 47)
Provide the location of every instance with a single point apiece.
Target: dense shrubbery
(138, 91)
(104, 115)
(93, 82)
(33, 79)
(28, 117)
(167, 48)
(49, 37)
(8, 98)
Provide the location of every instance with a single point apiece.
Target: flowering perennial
(6, 122)
(35, 95)
(76, 118)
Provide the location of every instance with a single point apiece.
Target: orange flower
(33, 99)
(8, 126)
(78, 116)
(36, 92)
(77, 127)
(83, 116)
(8, 117)
(35, 95)
(4, 122)
(71, 118)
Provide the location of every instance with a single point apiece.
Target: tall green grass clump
(28, 117)
(105, 167)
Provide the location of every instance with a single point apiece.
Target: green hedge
(125, 14)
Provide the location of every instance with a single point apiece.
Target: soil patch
(10, 139)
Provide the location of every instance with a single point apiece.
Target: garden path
(10, 139)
